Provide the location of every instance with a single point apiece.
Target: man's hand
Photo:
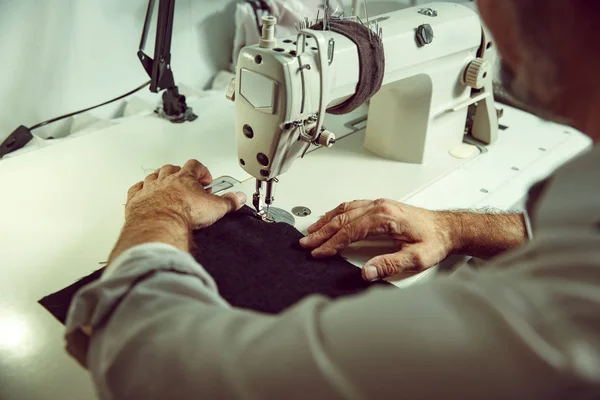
(423, 237)
(169, 203)
(179, 192)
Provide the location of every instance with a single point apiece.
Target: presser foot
(263, 215)
(274, 214)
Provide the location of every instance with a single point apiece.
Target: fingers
(325, 233)
(162, 173)
(134, 189)
(230, 202)
(355, 231)
(381, 267)
(341, 209)
(224, 205)
(234, 201)
(150, 178)
(212, 208)
(198, 171)
(167, 170)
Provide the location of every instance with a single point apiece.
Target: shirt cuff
(93, 304)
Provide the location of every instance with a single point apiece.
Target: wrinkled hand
(423, 237)
(175, 192)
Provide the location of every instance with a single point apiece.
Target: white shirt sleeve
(160, 330)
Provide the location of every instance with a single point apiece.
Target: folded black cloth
(256, 265)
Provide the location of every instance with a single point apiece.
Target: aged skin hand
(423, 237)
(171, 202)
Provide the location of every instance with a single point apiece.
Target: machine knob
(267, 41)
(230, 94)
(424, 35)
(326, 138)
(477, 73)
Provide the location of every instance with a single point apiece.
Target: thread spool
(267, 40)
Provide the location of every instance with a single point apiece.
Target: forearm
(159, 227)
(485, 235)
(171, 337)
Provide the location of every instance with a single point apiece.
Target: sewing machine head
(437, 83)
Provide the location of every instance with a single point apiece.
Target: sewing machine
(283, 88)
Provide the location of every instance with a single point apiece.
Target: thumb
(233, 201)
(381, 267)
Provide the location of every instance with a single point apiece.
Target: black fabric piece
(371, 62)
(262, 267)
(58, 303)
(256, 265)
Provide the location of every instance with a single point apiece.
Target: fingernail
(323, 253)
(371, 273)
(304, 240)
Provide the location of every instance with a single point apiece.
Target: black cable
(41, 124)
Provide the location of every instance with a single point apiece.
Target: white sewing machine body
(419, 113)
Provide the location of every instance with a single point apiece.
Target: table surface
(61, 210)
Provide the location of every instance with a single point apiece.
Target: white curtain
(58, 56)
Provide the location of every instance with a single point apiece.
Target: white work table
(61, 210)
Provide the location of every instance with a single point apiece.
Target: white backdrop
(61, 55)
(57, 56)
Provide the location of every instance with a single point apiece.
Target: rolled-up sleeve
(173, 269)
(159, 329)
